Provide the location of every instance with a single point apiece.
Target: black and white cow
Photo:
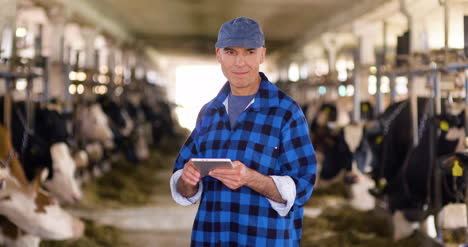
(44, 145)
(28, 210)
(122, 127)
(405, 172)
(339, 143)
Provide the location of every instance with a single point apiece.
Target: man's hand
(241, 175)
(188, 182)
(233, 178)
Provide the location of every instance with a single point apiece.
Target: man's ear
(218, 54)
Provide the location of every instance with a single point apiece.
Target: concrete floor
(161, 224)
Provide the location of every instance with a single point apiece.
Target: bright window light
(401, 85)
(195, 86)
(80, 89)
(322, 90)
(304, 71)
(342, 75)
(350, 90)
(293, 72)
(372, 87)
(342, 90)
(21, 84)
(350, 65)
(72, 89)
(21, 32)
(341, 65)
(385, 85)
(72, 76)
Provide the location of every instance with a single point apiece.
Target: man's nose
(240, 60)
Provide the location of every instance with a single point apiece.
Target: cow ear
(40, 178)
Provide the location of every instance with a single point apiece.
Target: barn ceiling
(191, 26)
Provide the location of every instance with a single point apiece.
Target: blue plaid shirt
(271, 137)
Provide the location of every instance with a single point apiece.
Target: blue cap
(241, 32)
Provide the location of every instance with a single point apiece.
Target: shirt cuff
(287, 190)
(179, 198)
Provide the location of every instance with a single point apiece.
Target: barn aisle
(161, 223)
(131, 205)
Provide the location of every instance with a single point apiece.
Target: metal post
(437, 97)
(466, 102)
(413, 109)
(29, 101)
(378, 93)
(445, 4)
(357, 83)
(411, 92)
(435, 109)
(393, 92)
(466, 203)
(7, 104)
(7, 46)
(380, 63)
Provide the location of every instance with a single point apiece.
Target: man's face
(241, 65)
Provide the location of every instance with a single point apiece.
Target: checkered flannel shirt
(271, 137)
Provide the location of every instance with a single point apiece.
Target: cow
(122, 127)
(337, 142)
(159, 114)
(92, 125)
(405, 172)
(92, 134)
(345, 155)
(143, 130)
(454, 170)
(45, 146)
(27, 206)
(13, 236)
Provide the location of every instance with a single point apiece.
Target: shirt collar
(266, 96)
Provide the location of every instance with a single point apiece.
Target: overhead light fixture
(80, 89)
(21, 32)
(81, 76)
(21, 84)
(72, 89)
(322, 90)
(72, 76)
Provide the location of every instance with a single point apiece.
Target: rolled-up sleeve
(179, 198)
(287, 190)
(297, 157)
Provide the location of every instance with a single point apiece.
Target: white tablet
(205, 165)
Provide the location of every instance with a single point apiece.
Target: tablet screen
(205, 165)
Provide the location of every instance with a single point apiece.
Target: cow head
(93, 124)
(12, 235)
(118, 115)
(451, 128)
(31, 208)
(63, 184)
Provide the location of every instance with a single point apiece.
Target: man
(260, 201)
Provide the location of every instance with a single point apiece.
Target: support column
(89, 37)
(7, 27)
(58, 71)
(357, 83)
(7, 39)
(366, 34)
(332, 44)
